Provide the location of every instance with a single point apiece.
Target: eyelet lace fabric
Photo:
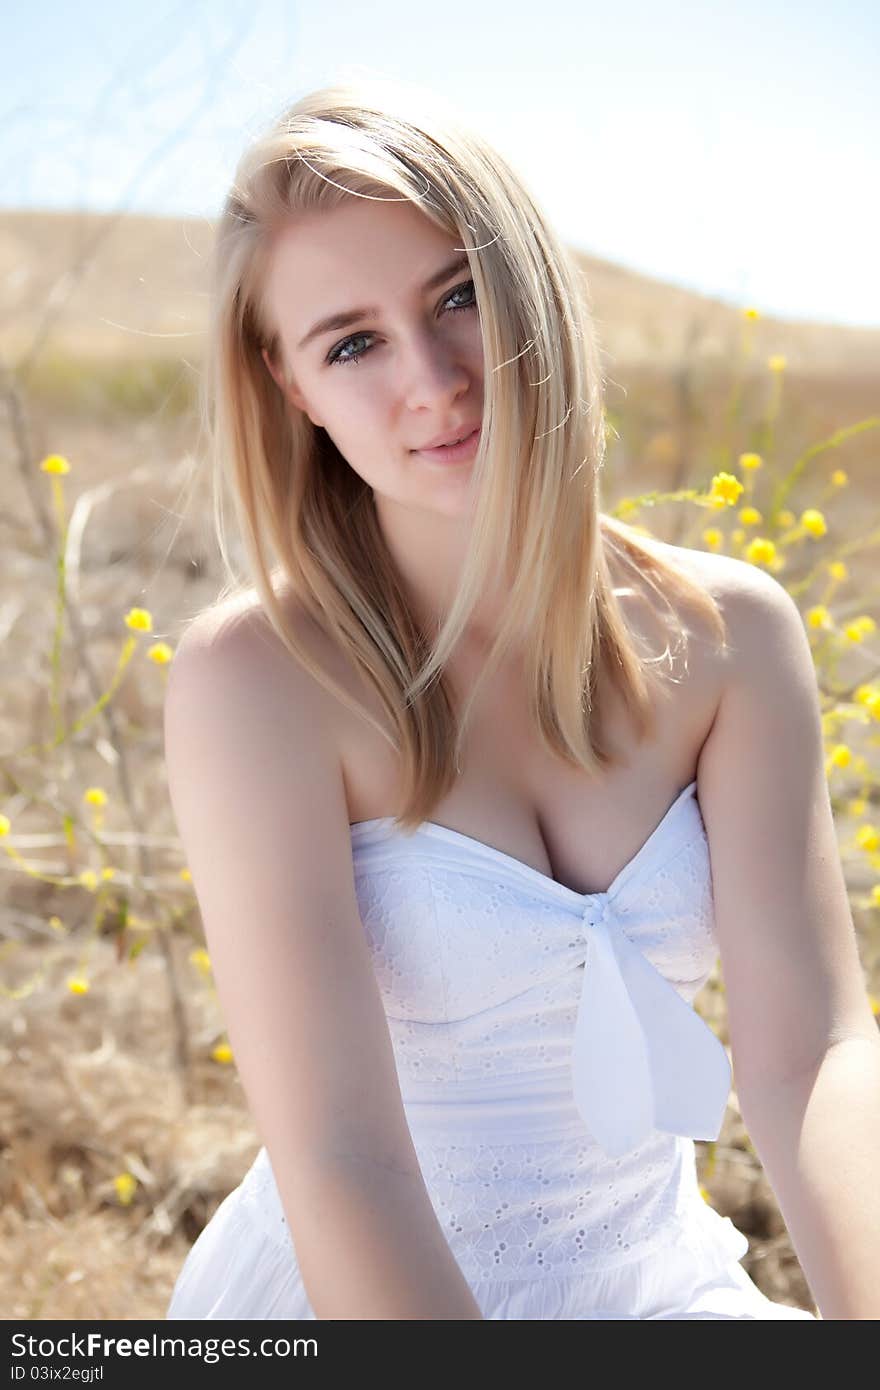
(554, 1075)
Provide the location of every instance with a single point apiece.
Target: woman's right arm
(258, 795)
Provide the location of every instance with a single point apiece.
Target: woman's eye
(342, 354)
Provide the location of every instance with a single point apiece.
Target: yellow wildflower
(750, 516)
(108, 872)
(738, 536)
(838, 570)
(875, 899)
(761, 551)
(222, 1053)
(89, 879)
(55, 463)
(859, 628)
(875, 1005)
(95, 796)
(704, 1193)
(840, 755)
(725, 489)
(814, 522)
(5, 825)
(872, 704)
(139, 620)
(78, 984)
(713, 538)
(786, 518)
(777, 363)
(751, 313)
(160, 652)
(839, 478)
(201, 960)
(868, 837)
(857, 806)
(186, 875)
(748, 461)
(818, 616)
(125, 1185)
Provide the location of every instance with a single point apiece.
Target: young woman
(450, 768)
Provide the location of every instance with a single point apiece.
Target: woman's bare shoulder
(712, 570)
(239, 623)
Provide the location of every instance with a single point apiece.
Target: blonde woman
(456, 767)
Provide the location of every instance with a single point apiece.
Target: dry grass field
(121, 1126)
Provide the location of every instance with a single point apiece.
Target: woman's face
(407, 369)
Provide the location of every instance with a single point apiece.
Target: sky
(730, 148)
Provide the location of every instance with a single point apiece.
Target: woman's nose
(435, 371)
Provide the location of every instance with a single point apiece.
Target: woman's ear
(273, 371)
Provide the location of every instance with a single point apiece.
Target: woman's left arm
(804, 1041)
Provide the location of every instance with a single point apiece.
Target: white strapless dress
(555, 1075)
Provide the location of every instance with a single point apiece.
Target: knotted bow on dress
(642, 1058)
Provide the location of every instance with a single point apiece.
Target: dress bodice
(518, 1005)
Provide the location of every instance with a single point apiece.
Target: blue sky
(730, 148)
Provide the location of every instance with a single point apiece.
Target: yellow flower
(777, 363)
(840, 755)
(863, 693)
(751, 314)
(125, 1185)
(78, 984)
(704, 1193)
(859, 627)
(857, 806)
(95, 796)
(867, 837)
(89, 879)
(160, 652)
(725, 489)
(761, 551)
(838, 570)
(713, 538)
(5, 825)
(875, 1004)
(786, 518)
(201, 960)
(222, 1052)
(839, 478)
(875, 899)
(107, 872)
(186, 875)
(750, 516)
(139, 620)
(56, 924)
(814, 522)
(818, 616)
(750, 461)
(55, 463)
(872, 704)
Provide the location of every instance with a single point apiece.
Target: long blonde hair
(308, 521)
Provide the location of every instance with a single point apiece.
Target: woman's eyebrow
(349, 316)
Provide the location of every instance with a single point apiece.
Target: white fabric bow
(642, 1057)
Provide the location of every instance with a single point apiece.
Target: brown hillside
(136, 285)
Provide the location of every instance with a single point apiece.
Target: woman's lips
(453, 453)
